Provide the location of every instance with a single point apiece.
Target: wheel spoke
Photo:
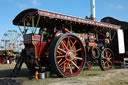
(59, 60)
(60, 56)
(71, 64)
(110, 55)
(62, 63)
(64, 45)
(110, 58)
(108, 64)
(105, 61)
(72, 47)
(106, 53)
(70, 67)
(73, 44)
(64, 67)
(75, 54)
(78, 58)
(75, 65)
(68, 43)
(75, 61)
(104, 57)
(61, 50)
(77, 50)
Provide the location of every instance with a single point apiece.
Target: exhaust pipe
(93, 14)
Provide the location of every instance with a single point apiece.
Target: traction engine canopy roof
(19, 19)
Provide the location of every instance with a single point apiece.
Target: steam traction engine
(63, 44)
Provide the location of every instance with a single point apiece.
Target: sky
(78, 8)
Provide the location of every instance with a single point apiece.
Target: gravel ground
(9, 82)
(92, 77)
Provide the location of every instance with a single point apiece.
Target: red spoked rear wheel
(67, 55)
(106, 59)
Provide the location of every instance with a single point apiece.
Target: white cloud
(118, 6)
(35, 2)
(26, 3)
(21, 5)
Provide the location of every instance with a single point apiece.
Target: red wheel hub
(70, 56)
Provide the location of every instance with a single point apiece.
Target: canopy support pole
(37, 23)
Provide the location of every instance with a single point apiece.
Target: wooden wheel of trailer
(106, 59)
(67, 55)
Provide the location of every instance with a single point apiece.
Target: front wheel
(106, 59)
(67, 55)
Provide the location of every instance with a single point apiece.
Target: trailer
(120, 42)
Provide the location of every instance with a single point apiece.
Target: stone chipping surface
(9, 82)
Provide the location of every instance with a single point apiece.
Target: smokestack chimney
(93, 14)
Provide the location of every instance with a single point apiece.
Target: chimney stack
(93, 14)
